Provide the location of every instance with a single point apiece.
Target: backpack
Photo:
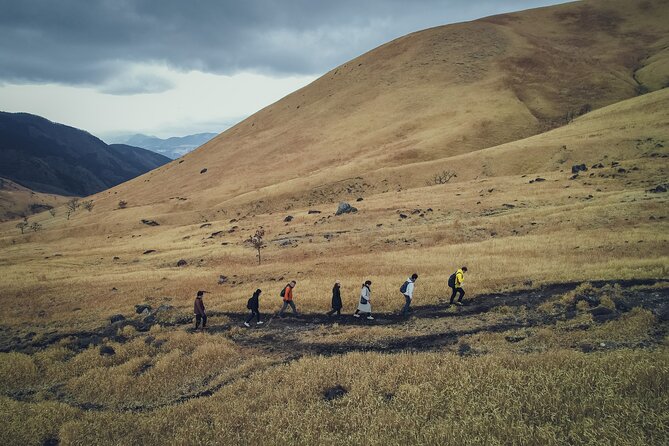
(283, 291)
(451, 280)
(403, 288)
(248, 304)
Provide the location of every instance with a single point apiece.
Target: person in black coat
(253, 304)
(336, 300)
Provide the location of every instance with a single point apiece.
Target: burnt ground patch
(653, 299)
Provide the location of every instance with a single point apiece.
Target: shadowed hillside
(54, 158)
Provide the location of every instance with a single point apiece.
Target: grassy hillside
(563, 338)
(16, 201)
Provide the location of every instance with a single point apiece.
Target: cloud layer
(97, 42)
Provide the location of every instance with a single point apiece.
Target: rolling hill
(173, 147)
(17, 201)
(54, 158)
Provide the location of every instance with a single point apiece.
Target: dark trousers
(407, 305)
(285, 305)
(255, 313)
(200, 318)
(457, 290)
(333, 311)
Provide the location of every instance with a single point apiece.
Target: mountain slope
(54, 158)
(431, 95)
(17, 201)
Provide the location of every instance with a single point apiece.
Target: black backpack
(248, 304)
(403, 288)
(283, 291)
(451, 280)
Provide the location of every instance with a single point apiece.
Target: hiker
(407, 290)
(336, 300)
(287, 294)
(455, 282)
(254, 306)
(365, 305)
(198, 309)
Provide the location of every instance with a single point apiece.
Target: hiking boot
(246, 324)
(259, 323)
(370, 318)
(356, 315)
(458, 303)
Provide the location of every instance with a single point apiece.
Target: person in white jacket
(365, 305)
(408, 288)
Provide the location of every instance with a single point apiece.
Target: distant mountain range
(173, 147)
(48, 157)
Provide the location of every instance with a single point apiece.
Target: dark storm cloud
(91, 42)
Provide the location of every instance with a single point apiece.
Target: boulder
(106, 350)
(203, 170)
(313, 211)
(182, 262)
(117, 318)
(150, 222)
(288, 218)
(359, 199)
(576, 168)
(345, 208)
(334, 393)
(659, 189)
(149, 251)
(141, 308)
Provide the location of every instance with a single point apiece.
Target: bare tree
(35, 226)
(22, 225)
(257, 241)
(72, 206)
(122, 204)
(88, 205)
(442, 178)
(52, 211)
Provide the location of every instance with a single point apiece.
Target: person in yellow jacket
(455, 282)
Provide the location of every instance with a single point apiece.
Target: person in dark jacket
(336, 300)
(198, 309)
(253, 304)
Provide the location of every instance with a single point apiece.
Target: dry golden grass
(231, 385)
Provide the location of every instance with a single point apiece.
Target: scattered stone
(658, 189)
(182, 262)
(514, 339)
(576, 168)
(149, 251)
(116, 258)
(222, 279)
(622, 170)
(313, 211)
(288, 218)
(573, 177)
(509, 206)
(117, 318)
(141, 308)
(150, 222)
(403, 216)
(203, 170)
(464, 349)
(598, 166)
(614, 163)
(539, 179)
(602, 314)
(359, 199)
(205, 225)
(106, 350)
(345, 208)
(334, 393)
(415, 211)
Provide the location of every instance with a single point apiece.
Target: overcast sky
(174, 67)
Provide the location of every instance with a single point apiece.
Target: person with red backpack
(287, 295)
(455, 282)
